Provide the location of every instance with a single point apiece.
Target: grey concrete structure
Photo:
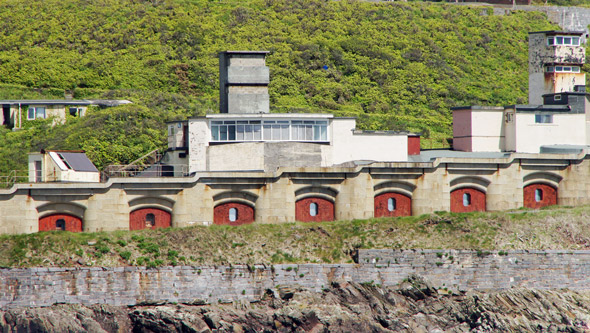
(243, 82)
(451, 270)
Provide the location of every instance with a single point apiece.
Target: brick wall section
(452, 269)
(137, 218)
(403, 205)
(221, 214)
(72, 223)
(549, 196)
(413, 145)
(325, 210)
(478, 201)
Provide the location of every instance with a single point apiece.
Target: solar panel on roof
(79, 162)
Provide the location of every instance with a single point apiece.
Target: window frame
(249, 130)
(314, 209)
(36, 110)
(543, 119)
(232, 217)
(563, 40)
(466, 199)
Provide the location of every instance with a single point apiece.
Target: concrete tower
(243, 82)
(555, 61)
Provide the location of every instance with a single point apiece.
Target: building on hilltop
(244, 136)
(558, 116)
(14, 111)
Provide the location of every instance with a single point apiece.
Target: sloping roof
(77, 161)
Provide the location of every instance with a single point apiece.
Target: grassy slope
(392, 65)
(334, 242)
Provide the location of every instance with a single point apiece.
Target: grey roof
(429, 155)
(558, 32)
(78, 162)
(99, 102)
(541, 108)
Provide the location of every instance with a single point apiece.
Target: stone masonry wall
(450, 269)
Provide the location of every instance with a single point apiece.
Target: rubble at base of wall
(454, 270)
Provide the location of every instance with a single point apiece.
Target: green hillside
(392, 65)
(558, 228)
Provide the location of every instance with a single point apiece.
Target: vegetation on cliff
(327, 242)
(392, 65)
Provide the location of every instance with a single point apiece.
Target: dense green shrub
(392, 65)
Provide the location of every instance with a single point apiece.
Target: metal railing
(144, 171)
(14, 176)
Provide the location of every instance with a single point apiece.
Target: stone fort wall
(449, 270)
(348, 192)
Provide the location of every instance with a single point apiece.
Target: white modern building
(246, 137)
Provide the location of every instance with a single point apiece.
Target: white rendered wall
(478, 130)
(236, 156)
(199, 136)
(565, 129)
(366, 146)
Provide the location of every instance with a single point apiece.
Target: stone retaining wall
(450, 269)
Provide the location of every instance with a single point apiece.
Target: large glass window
(543, 118)
(562, 69)
(563, 40)
(35, 113)
(269, 130)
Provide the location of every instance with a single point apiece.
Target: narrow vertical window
(538, 195)
(233, 214)
(31, 114)
(313, 209)
(466, 199)
(150, 220)
(391, 204)
(60, 224)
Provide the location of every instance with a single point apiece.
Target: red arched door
(392, 204)
(314, 209)
(539, 195)
(65, 222)
(149, 218)
(233, 213)
(468, 200)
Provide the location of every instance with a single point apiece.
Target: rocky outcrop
(413, 306)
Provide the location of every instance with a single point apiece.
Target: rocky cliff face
(414, 306)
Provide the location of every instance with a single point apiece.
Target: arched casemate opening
(314, 209)
(150, 213)
(61, 222)
(234, 208)
(65, 216)
(392, 204)
(468, 194)
(540, 189)
(233, 213)
(149, 218)
(315, 204)
(393, 199)
(468, 200)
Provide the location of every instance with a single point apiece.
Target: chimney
(243, 82)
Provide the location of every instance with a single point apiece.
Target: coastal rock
(413, 306)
